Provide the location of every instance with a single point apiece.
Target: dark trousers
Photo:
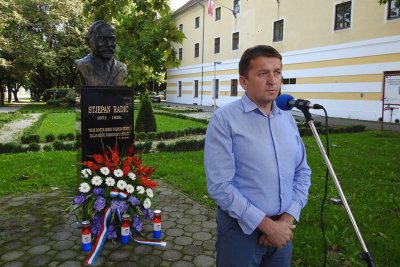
(236, 249)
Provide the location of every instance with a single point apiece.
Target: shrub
(53, 102)
(161, 146)
(10, 148)
(69, 147)
(33, 147)
(140, 136)
(47, 148)
(143, 147)
(50, 138)
(58, 145)
(62, 136)
(26, 139)
(146, 121)
(151, 135)
(70, 136)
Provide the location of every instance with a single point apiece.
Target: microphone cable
(326, 187)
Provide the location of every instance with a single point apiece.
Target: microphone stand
(364, 255)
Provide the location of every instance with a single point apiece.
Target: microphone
(287, 102)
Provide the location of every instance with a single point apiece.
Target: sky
(175, 4)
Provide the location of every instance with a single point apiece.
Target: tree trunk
(2, 96)
(15, 93)
(9, 94)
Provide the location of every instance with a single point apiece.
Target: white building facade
(335, 53)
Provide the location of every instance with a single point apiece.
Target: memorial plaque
(106, 118)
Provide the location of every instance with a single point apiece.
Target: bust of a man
(99, 68)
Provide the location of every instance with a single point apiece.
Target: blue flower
(137, 224)
(98, 191)
(111, 233)
(79, 199)
(133, 200)
(100, 203)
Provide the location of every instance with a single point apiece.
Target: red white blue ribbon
(123, 195)
(98, 245)
(114, 193)
(151, 242)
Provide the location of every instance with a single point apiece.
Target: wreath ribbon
(101, 238)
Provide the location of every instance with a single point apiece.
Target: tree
(41, 40)
(145, 120)
(396, 2)
(145, 33)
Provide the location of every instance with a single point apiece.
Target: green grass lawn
(167, 123)
(367, 167)
(57, 123)
(37, 171)
(366, 164)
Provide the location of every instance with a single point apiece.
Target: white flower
(105, 171)
(121, 184)
(149, 192)
(147, 203)
(84, 188)
(110, 181)
(86, 172)
(140, 189)
(96, 180)
(132, 176)
(130, 188)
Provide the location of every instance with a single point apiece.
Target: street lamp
(215, 83)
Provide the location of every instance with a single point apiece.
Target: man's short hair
(254, 52)
(92, 31)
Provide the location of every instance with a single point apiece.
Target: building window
(180, 53)
(393, 11)
(217, 45)
(196, 88)
(236, 6)
(289, 81)
(234, 86)
(218, 13)
(216, 85)
(278, 30)
(196, 50)
(181, 27)
(197, 22)
(343, 15)
(179, 88)
(235, 41)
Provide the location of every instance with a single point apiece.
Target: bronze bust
(100, 68)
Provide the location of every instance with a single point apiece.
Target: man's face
(263, 80)
(103, 42)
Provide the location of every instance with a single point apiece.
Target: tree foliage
(145, 120)
(145, 33)
(397, 2)
(39, 41)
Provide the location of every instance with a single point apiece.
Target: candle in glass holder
(86, 236)
(157, 224)
(125, 228)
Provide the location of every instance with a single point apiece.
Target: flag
(210, 7)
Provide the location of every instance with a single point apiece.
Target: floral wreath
(120, 184)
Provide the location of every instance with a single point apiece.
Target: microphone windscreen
(282, 102)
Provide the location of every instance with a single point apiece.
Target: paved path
(35, 230)
(12, 131)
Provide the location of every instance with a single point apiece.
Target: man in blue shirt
(256, 168)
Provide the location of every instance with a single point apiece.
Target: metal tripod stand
(364, 255)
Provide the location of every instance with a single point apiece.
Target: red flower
(91, 165)
(148, 183)
(98, 158)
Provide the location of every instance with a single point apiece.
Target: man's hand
(276, 233)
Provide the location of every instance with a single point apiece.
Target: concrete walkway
(35, 230)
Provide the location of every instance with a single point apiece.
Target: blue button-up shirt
(255, 164)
